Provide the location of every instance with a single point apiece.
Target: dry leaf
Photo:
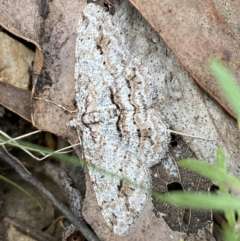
(22, 19)
(56, 81)
(16, 100)
(25, 20)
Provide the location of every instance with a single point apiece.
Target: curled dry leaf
(50, 27)
(22, 19)
(196, 30)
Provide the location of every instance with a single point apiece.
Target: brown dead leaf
(16, 100)
(22, 19)
(56, 81)
(15, 74)
(196, 30)
(25, 20)
(51, 27)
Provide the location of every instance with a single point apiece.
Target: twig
(17, 138)
(77, 222)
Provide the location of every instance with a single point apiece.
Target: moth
(116, 120)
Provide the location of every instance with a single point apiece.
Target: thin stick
(17, 138)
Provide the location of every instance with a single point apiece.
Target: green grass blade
(201, 201)
(211, 172)
(223, 190)
(79, 162)
(22, 190)
(221, 160)
(227, 83)
(229, 235)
